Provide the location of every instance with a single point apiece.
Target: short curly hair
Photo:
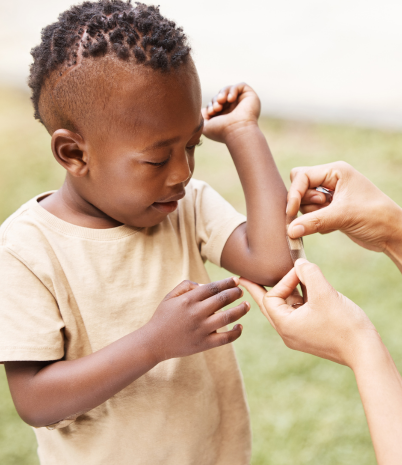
(106, 27)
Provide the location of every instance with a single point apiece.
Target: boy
(98, 348)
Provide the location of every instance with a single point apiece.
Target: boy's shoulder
(20, 223)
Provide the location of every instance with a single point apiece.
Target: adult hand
(232, 108)
(333, 327)
(329, 325)
(359, 209)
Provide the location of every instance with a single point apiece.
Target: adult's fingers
(275, 305)
(305, 178)
(221, 319)
(313, 197)
(311, 276)
(257, 292)
(295, 298)
(312, 208)
(318, 221)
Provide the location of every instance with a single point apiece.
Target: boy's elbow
(32, 417)
(33, 414)
(269, 272)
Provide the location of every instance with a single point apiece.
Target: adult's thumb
(323, 220)
(311, 276)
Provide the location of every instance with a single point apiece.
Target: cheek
(133, 182)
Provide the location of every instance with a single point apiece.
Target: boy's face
(140, 154)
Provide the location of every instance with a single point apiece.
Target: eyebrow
(167, 142)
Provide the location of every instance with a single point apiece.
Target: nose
(180, 169)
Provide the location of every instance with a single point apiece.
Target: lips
(168, 205)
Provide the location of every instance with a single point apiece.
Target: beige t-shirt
(67, 291)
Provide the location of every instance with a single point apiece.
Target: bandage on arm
(296, 249)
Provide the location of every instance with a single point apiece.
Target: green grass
(303, 410)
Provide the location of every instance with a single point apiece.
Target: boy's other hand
(329, 325)
(233, 108)
(186, 321)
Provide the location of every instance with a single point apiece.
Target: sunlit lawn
(303, 410)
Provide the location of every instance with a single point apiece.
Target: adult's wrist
(369, 351)
(393, 247)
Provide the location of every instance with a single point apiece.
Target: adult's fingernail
(300, 261)
(236, 280)
(316, 199)
(289, 205)
(297, 230)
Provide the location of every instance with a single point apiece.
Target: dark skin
(131, 167)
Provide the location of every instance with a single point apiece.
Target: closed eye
(161, 163)
(190, 147)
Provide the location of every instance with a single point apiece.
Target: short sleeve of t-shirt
(215, 221)
(31, 327)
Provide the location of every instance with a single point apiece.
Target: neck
(68, 205)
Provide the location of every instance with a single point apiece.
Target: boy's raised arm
(257, 249)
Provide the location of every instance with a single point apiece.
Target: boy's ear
(69, 150)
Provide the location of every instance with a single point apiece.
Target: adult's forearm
(380, 387)
(65, 388)
(267, 254)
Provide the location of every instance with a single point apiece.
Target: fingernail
(242, 292)
(238, 327)
(300, 261)
(229, 96)
(317, 199)
(288, 205)
(236, 280)
(297, 230)
(247, 305)
(220, 95)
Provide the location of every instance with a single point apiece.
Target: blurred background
(329, 75)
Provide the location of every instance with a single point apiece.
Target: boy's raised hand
(186, 321)
(233, 107)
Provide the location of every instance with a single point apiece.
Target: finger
(226, 337)
(321, 221)
(295, 299)
(313, 197)
(182, 288)
(222, 96)
(208, 290)
(274, 302)
(256, 291)
(234, 93)
(304, 178)
(311, 208)
(221, 319)
(210, 109)
(220, 300)
(311, 276)
(204, 112)
(217, 106)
